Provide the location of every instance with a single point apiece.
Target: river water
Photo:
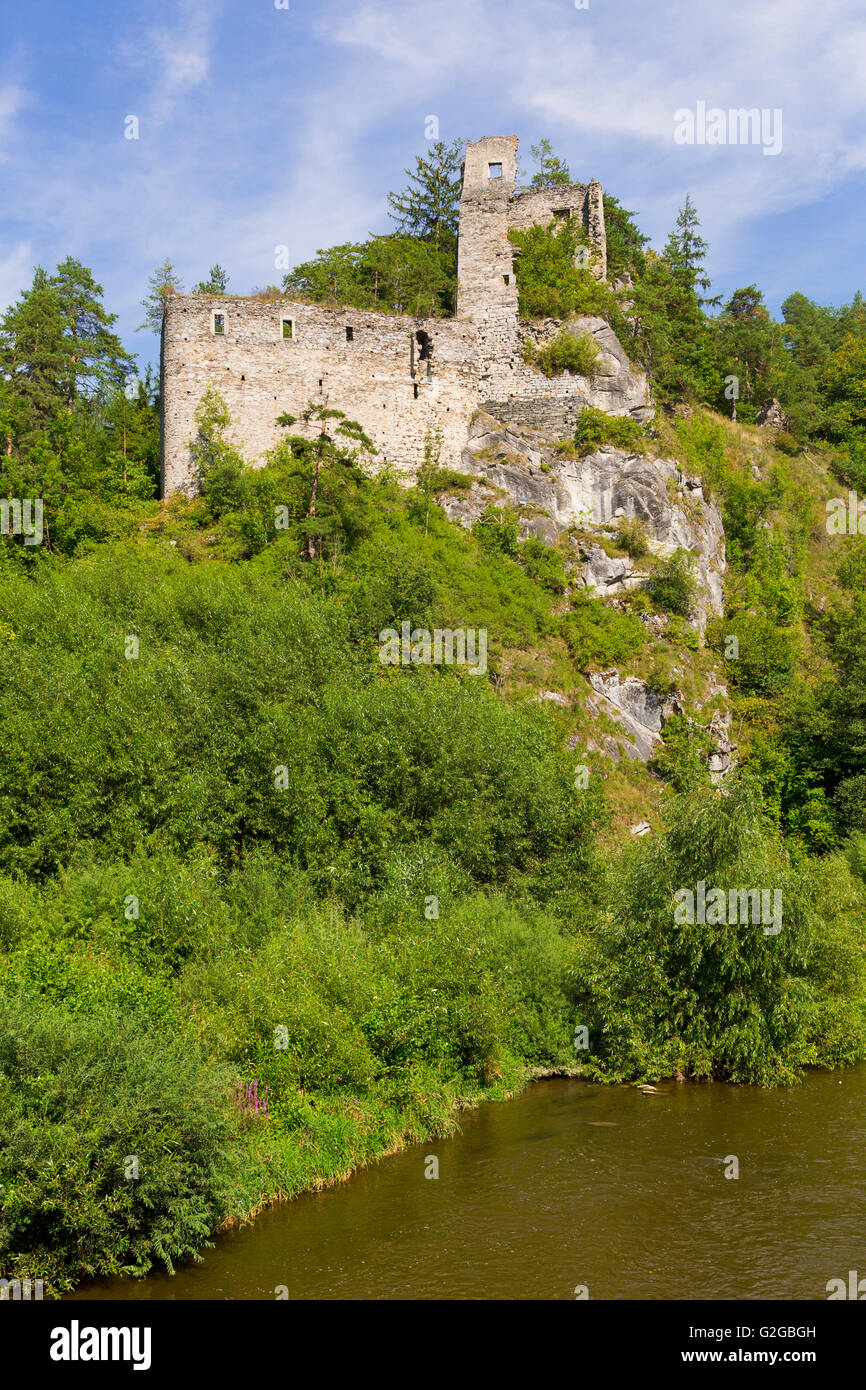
(574, 1186)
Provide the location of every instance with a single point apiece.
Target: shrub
(596, 427)
(552, 285)
(632, 538)
(672, 584)
(567, 353)
(766, 653)
(600, 636)
(722, 1000)
(82, 1096)
(497, 530)
(786, 442)
(543, 563)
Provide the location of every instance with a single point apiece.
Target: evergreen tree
(36, 357)
(216, 282)
(675, 339)
(164, 281)
(625, 241)
(429, 206)
(685, 252)
(97, 356)
(747, 339)
(552, 171)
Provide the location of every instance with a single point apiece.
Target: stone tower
(487, 292)
(490, 206)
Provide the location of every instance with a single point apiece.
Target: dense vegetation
(244, 861)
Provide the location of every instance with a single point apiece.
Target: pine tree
(675, 338)
(97, 355)
(747, 338)
(164, 281)
(429, 206)
(685, 251)
(216, 282)
(36, 357)
(552, 171)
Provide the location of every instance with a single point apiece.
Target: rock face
(772, 415)
(521, 395)
(722, 758)
(556, 492)
(640, 711)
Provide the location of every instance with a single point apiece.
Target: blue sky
(261, 127)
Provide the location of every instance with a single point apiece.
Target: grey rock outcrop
(555, 492)
(641, 712)
(772, 415)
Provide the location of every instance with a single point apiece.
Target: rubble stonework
(399, 376)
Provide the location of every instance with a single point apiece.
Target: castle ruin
(398, 375)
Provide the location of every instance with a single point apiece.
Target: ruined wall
(376, 372)
(378, 378)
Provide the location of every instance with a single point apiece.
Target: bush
(497, 530)
(567, 353)
(82, 1097)
(596, 427)
(672, 584)
(632, 538)
(766, 653)
(722, 1000)
(552, 285)
(543, 563)
(600, 636)
(786, 442)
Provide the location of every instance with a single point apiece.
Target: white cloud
(16, 271)
(12, 100)
(612, 89)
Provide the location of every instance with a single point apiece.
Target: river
(574, 1186)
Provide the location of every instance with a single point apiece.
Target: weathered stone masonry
(398, 376)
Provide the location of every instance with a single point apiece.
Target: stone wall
(378, 377)
(400, 377)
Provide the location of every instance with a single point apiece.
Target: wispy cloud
(12, 101)
(263, 128)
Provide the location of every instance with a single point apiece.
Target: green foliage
(672, 584)
(596, 427)
(631, 537)
(625, 241)
(543, 563)
(568, 353)
(80, 1095)
(412, 271)
(389, 274)
(552, 171)
(497, 530)
(163, 282)
(554, 278)
(216, 282)
(722, 1000)
(599, 636)
(747, 341)
(766, 653)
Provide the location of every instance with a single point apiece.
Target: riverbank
(573, 1186)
